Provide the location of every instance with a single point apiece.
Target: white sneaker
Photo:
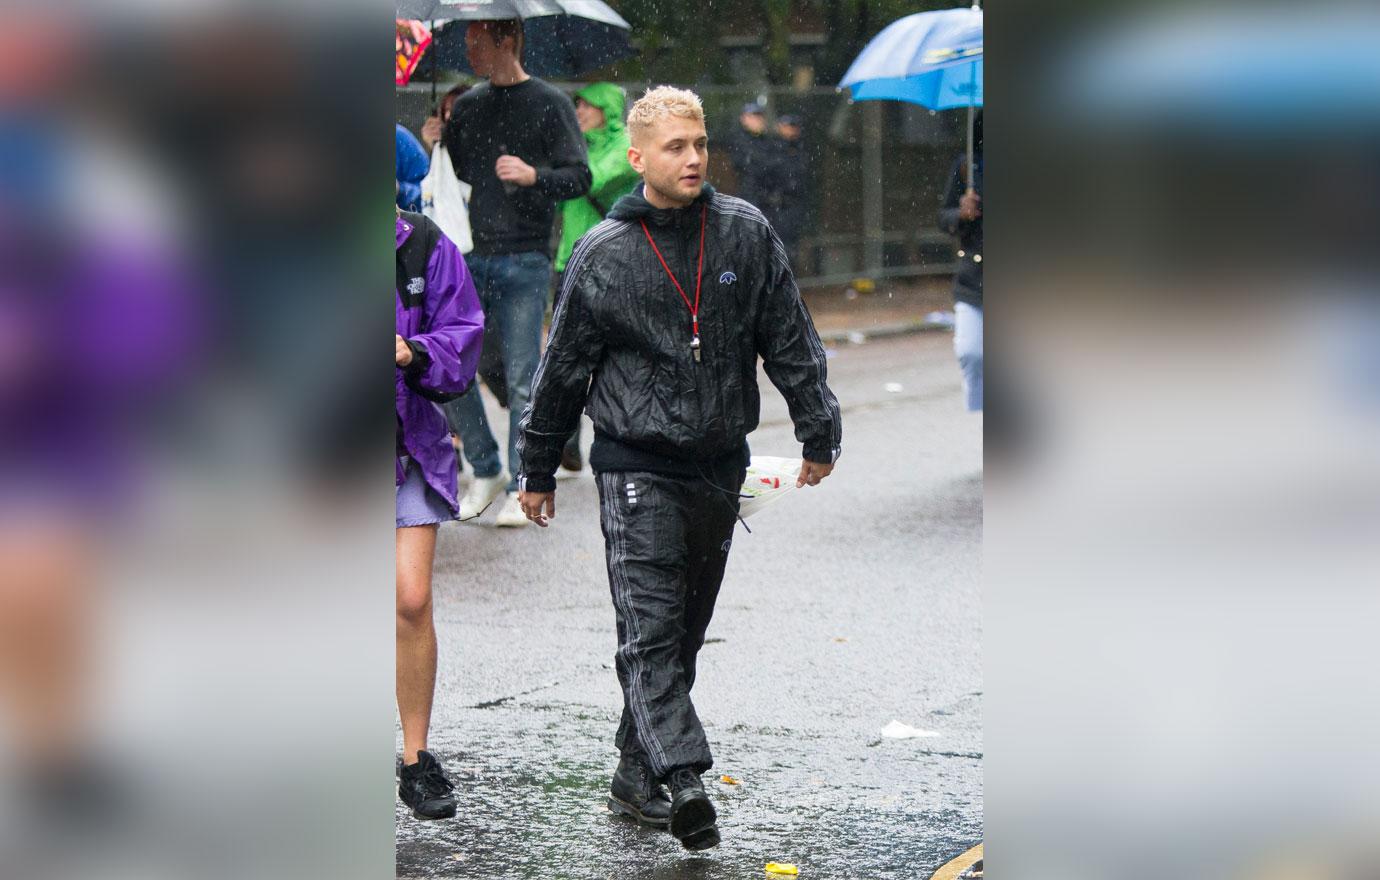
(481, 494)
(511, 516)
(563, 474)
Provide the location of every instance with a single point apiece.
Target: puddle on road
(534, 808)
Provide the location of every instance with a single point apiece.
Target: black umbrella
(561, 37)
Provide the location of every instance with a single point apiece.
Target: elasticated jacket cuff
(822, 454)
(537, 482)
(421, 361)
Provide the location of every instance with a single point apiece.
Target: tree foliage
(680, 39)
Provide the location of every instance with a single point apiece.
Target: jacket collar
(634, 206)
(404, 229)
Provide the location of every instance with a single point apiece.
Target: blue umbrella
(933, 59)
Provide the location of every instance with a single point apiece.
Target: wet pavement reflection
(848, 607)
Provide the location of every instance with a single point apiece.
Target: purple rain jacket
(439, 316)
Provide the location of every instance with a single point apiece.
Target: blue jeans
(512, 290)
(968, 347)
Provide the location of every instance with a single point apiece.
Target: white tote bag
(446, 199)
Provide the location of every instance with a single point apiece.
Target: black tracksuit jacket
(620, 343)
(968, 278)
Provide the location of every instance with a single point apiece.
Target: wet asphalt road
(850, 605)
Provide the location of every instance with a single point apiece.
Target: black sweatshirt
(968, 278)
(534, 121)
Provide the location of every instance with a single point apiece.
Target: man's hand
(970, 206)
(402, 355)
(811, 472)
(432, 130)
(511, 169)
(532, 504)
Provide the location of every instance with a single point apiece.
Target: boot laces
(433, 781)
(685, 778)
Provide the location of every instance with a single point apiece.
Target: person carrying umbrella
(961, 216)
(599, 108)
(665, 309)
(516, 141)
(934, 59)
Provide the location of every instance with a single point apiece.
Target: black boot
(635, 793)
(692, 815)
(423, 786)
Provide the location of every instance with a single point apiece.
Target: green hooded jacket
(613, 177)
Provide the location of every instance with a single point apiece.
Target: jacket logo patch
(416, 285)
(727, 278)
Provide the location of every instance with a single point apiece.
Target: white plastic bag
(446, 199)
(768, 479)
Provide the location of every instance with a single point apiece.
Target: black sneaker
(692, 815)
(634, 793)
(424, 787)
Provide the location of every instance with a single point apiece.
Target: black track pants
(667, 541)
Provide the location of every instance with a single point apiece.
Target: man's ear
(635, 159)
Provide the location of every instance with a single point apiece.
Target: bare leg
(45, 599)
(416, 659)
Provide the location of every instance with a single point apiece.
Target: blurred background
(1179, 595)
(195, 649)
(1181, 564)
(873, 172)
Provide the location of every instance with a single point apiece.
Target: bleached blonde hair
(659, 103)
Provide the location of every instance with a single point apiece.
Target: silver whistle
(695, 347)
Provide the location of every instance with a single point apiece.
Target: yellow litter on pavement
(729, 780)
(782, 868)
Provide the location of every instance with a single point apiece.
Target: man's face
(754, 122)
(672, 156)
(482, 51)
(589, 116)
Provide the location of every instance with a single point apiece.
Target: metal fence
(877, 172)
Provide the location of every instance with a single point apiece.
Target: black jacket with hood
(968, 278)
(620, 340)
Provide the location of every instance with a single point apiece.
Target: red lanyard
(699, 277)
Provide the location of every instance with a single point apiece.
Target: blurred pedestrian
(599, 109)
(788, 201)
(666, 308)
(101, 333)
(438, 331)
(411, 167)
(752, 152)
(445, 197)
(516, 140)
(961, 216)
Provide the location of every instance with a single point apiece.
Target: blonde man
(665, 309)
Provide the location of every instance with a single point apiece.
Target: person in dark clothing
(666, 308)
(516, 141)
(752, 152)
(788, 203)
(961, 216)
